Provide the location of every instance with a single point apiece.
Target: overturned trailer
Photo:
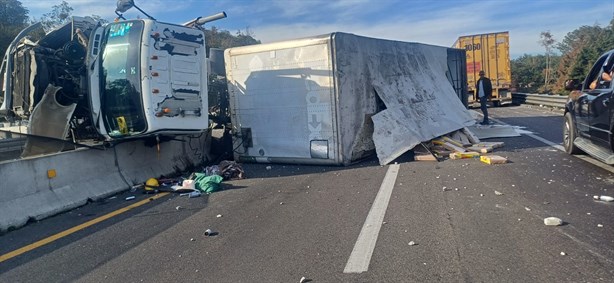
(337, 98)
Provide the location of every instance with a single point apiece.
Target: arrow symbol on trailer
(314, 122)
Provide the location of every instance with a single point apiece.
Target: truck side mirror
(124, 5)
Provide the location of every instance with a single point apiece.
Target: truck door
(592, 88)
(599, 105)
(581, 113)
(600, 116)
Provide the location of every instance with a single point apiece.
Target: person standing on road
(484, 90)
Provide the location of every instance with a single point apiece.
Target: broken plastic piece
(130, 198)
(208, 232)
(604, 198)
(194, 194)
(188, 185)
(553, 221)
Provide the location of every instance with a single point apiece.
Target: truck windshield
(120, 85)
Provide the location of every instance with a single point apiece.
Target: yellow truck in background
(489, 52)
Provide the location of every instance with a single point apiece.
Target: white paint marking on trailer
(365, 244)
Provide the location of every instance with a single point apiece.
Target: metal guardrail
(557, 101)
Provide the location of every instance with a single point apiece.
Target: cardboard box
(464, 155)
(493, 159)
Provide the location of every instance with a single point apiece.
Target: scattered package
(460, 144)
(207, 182)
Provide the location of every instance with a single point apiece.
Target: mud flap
(48, 119)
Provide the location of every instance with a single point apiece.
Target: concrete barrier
(27, 192)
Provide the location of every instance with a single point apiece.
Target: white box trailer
(337, 98)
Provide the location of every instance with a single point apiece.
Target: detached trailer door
(282, 100)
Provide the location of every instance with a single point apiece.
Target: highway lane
(293, 221)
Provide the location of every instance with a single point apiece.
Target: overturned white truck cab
(337, 98)
(126, 79)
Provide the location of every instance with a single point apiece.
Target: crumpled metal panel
(48, 119)
(410, 79)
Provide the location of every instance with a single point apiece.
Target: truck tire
(569, 135)
(496, 103)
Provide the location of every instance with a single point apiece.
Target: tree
(13, 18)
(526, 74)
(580, 48)
(59, 15)
(99, 18)
(222, 39)
(547, 40)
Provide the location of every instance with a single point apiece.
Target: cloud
(426, 21)
(106, 8)
(443, 24)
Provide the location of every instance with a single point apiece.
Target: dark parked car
(589, 112)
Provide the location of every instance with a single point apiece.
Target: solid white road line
(363, 249)
(554, 145)
(561, 148)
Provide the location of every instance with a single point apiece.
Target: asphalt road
(289, 221)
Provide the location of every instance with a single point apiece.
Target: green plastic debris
(207, 184)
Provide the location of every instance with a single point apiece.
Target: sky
(426, 21)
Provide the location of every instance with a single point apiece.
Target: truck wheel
(569, 135)
(496, 103)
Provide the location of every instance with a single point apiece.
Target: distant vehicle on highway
(488, 52)
(589, 112)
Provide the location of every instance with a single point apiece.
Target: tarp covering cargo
(335, 98)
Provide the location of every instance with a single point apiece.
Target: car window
(592, 81)
(607, 73)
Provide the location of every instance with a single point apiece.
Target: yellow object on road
(493, 159)
(151, 184)
(463, 155)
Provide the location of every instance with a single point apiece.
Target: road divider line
(552, 144)
(365, 244)
(77, 228)
(561, 148)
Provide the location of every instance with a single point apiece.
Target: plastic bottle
(604, 198)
